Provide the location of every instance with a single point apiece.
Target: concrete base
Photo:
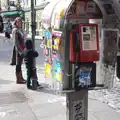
(77, 105)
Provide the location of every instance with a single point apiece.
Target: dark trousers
(13, 58)
(7, 35)
(19, 61)
(29, 75)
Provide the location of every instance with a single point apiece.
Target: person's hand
(22, 55)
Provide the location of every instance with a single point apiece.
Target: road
(6, 51)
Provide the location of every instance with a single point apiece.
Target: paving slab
(18, 103)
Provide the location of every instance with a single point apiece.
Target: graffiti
(78, 110)
(111, 19)
(114, 19)
(110, 46)
(116, 25)
(109, 9)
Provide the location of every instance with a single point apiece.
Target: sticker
(85, 77)
(57, 71)
(47, 69)
(47, 34)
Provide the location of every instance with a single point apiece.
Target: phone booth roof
(54, 12)
(47, 14)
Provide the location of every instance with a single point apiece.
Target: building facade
(39, 6)
(10, 9)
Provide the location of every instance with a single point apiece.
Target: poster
(80, 8)
(56, 43)
(91, 7)
(57, 71)
(110, 38)
(77, 8)
(47, 69)
(47, 34)
(83, 77)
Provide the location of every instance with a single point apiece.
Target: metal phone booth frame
(109, 11)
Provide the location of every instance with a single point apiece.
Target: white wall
(27, 3)
(4, 5)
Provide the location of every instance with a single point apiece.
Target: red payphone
(84, 43)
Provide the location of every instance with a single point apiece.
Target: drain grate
(13, 97)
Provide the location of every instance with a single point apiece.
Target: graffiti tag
(78, 110)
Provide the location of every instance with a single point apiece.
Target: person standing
(8, 30)
(29, 55)
(18, 37)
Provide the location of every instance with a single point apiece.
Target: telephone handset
(76, 42)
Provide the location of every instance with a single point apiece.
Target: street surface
(6, 50)
(18, 103)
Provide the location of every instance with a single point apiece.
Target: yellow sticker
(47, 69)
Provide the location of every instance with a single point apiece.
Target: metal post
(19, 5)
(77, 105)
(33, 28)
(8, 4)
(76, 101)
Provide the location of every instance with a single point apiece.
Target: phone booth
(75, 50)
(72, 47)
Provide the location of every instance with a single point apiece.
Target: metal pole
(77, 105)
(33, 28)
(8, 5)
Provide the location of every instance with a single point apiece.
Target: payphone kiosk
(74, 50)
(74, 46)
(84, 52)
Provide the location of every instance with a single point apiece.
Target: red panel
(83, 55)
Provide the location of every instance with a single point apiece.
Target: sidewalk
(18, 103)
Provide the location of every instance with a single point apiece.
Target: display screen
(86, 37)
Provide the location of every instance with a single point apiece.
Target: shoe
(29, 87)
(12, 64)
(18, 79)
(38, 84)
(21, 77)
(20, 82)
